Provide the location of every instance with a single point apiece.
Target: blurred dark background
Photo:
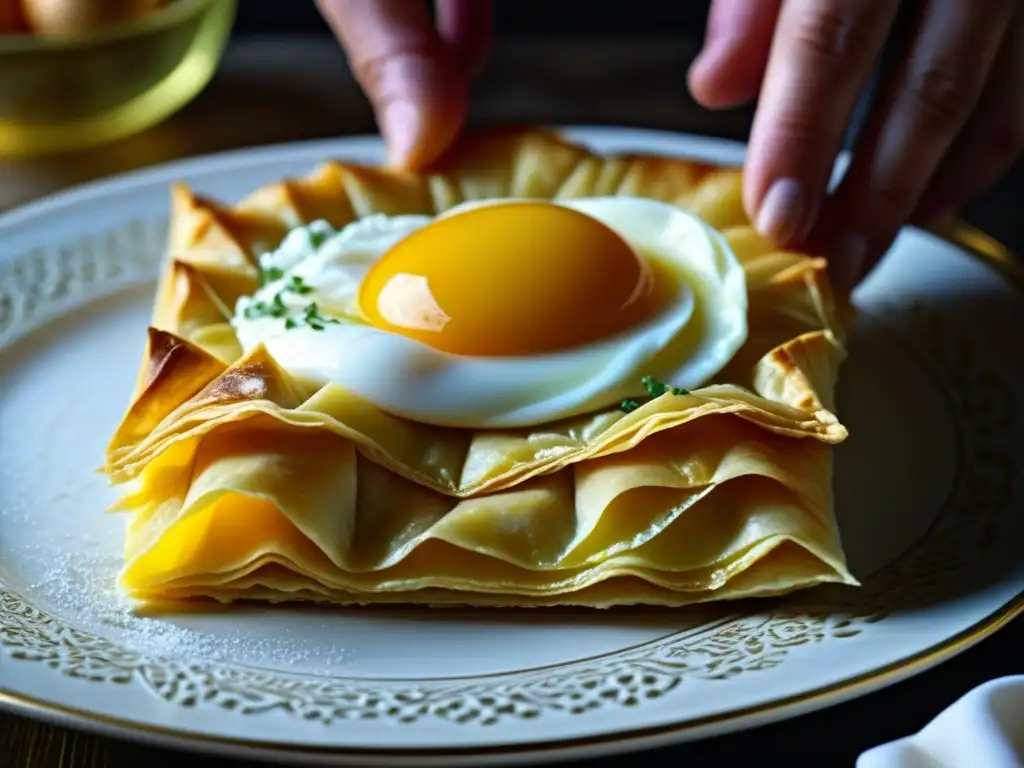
(513, 17)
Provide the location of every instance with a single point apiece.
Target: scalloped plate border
(965, 237)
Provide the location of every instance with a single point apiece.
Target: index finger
(418, 92)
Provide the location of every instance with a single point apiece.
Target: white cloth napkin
(982, 729)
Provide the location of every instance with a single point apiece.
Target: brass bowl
(65, 93)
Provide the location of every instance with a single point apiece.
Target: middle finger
(924, 104)
(820, 60)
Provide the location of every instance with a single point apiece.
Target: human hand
(949, 118)
(415, 70)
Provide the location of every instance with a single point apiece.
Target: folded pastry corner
(245, 482)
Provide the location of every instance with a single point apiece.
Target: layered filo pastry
(532, 375)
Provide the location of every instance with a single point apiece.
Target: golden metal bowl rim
(170, 15)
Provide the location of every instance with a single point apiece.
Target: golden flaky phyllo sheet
(242, 482)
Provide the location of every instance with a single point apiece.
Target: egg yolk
(510, 279)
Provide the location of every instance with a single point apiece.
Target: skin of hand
(948, 120)
(415, 69)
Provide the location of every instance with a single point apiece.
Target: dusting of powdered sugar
(81, 588)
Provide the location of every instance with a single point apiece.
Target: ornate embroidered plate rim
(486, 709)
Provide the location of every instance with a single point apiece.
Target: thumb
(418, 92)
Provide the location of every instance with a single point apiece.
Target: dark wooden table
(284, 90)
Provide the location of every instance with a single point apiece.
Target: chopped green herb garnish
(270, 274)
(254, 310)
(277, 307)
(297, 285)
(655, 389)
(316, 239)
(314, 319)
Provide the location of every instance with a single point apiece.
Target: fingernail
(398, 125)
(786, 211)
(847, 260)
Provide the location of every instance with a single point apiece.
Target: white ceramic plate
(925, 490)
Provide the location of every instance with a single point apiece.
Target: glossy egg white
(416, 381)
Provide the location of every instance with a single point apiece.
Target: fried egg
(502, 313)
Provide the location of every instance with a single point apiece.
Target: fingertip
(713, 82)
(698, 74)
(421, 104)
(728, 70)
(412, 77)
(400, 128)
(416, 136)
